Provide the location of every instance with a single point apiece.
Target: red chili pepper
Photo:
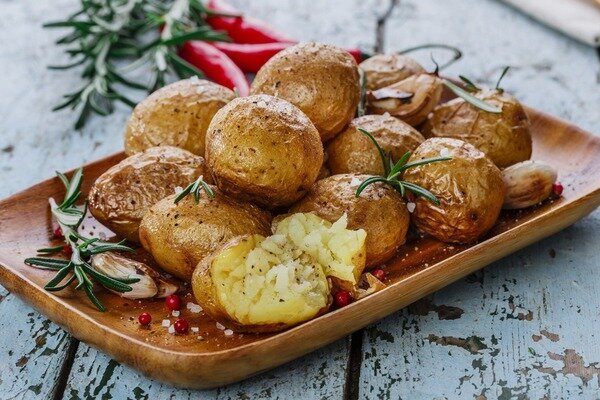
(250, 57)
(242, 29)
(215, 65)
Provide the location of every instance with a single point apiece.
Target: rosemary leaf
(46, 263)
(50, 250)
(386, 165)
(468, 97)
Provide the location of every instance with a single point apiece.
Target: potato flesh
(333, 246)
(266, 281)
(283, 278)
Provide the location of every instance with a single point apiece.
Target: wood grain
(423, 266)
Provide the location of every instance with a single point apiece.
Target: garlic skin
(527, 184)
(151, 283)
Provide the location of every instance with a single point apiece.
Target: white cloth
(579, 19)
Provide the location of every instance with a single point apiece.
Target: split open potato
(263, 284)
(469, 187)
(181, 235)
(382, 70)
(320, 79)
(176, 115)
(263, 149)
(505, 138)
(379, 210)
(352, 151)
(121, 196)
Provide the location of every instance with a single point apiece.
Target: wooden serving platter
(210, 358)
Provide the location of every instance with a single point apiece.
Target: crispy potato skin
(379, 210)
(427, 92)
(121, 196)
(176, 115)
(321, 80)
(386, 69)
(206, 294)
(180, 235)
(505, 138)
(470, 189)
(351, 151)
(263, 149)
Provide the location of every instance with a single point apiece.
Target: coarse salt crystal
(172, 329)
(386, 114)
(195, 329)
(354, 181)
(175, 313)
(200, 338)
(444, 152)
(178, 189)
(166, 323)
(219, 326)
(195, 308)
(411, 207)
(228, 332)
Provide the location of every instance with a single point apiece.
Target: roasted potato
(176, 115)
(180, 235)
(121, 196)
(379, 210)
(411, 99)
(320, 79)
(352, 151)
(258, 284)
(382, 70)
(469, 187)
(263, 149)
(505, 138)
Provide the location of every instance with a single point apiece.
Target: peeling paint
(425, 306)
(573, 364)
(473, 344)
(552, 336)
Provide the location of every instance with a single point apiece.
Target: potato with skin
(379, 210)
(176, 115)
(382, 70)
(320, 79)
(469, 187)
(121, 196)
(181, 235)
(352, 151)
(263, 149)
(411, 99)
(505, 138)
(265, 284)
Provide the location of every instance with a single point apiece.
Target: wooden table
(525, 327)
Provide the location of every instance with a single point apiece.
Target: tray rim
(575, 209)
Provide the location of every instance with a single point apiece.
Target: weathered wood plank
(526, 326)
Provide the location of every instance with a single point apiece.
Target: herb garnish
(469, 98)
(195, 189)
(104, 33)
(393, 172)
(69, 218)
(504, 71)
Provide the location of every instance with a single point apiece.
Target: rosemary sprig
(195, 188)
(393, 172)
(69, 217)
(469, 98)
(103, 33)
(504, 71)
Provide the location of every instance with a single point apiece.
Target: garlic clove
(527, 184)
(165, 287)
(121, 267)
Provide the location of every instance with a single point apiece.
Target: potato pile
(271, 237)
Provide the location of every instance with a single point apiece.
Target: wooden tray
(422, 266)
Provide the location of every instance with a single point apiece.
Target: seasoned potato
(379, 210)
(263, 149)
(469, 187)
(320, 79)
(505, 138)
(176, 115)
(352, 151)
(180, 235)
(382, 70)
(411, 99)
(121, 196)
(258, 284)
